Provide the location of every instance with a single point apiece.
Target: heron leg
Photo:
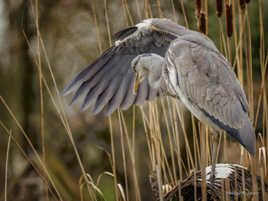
(214, 152)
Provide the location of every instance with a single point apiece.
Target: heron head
(148, 66)
(140, 70)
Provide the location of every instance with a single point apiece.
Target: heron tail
(247, 137)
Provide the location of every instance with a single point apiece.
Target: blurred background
(45, 37)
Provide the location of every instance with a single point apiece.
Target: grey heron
(159, 57)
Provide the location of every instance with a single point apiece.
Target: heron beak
(137, 84)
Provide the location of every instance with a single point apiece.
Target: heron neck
(155, 69)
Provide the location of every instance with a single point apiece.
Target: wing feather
(106, 95)
(94, 76)
(102, 79)
(113, 68)
(89, 71)
(116, 100)
(91, 97)
(129, 95)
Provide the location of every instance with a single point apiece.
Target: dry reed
(166, 127)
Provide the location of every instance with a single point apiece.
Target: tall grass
(176, 143)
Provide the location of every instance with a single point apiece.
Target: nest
(232, 182)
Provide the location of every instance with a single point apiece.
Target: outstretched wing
(209, 88)
(109, 81)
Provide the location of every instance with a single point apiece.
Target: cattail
(242, 4)
(198, 5)
(247, 1)
(219, 8)
(202, 22)
(229, 19)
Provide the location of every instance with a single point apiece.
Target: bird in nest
(158, 57)
(232, 182)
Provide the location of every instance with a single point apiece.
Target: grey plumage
(211, 89)
(191, 69)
